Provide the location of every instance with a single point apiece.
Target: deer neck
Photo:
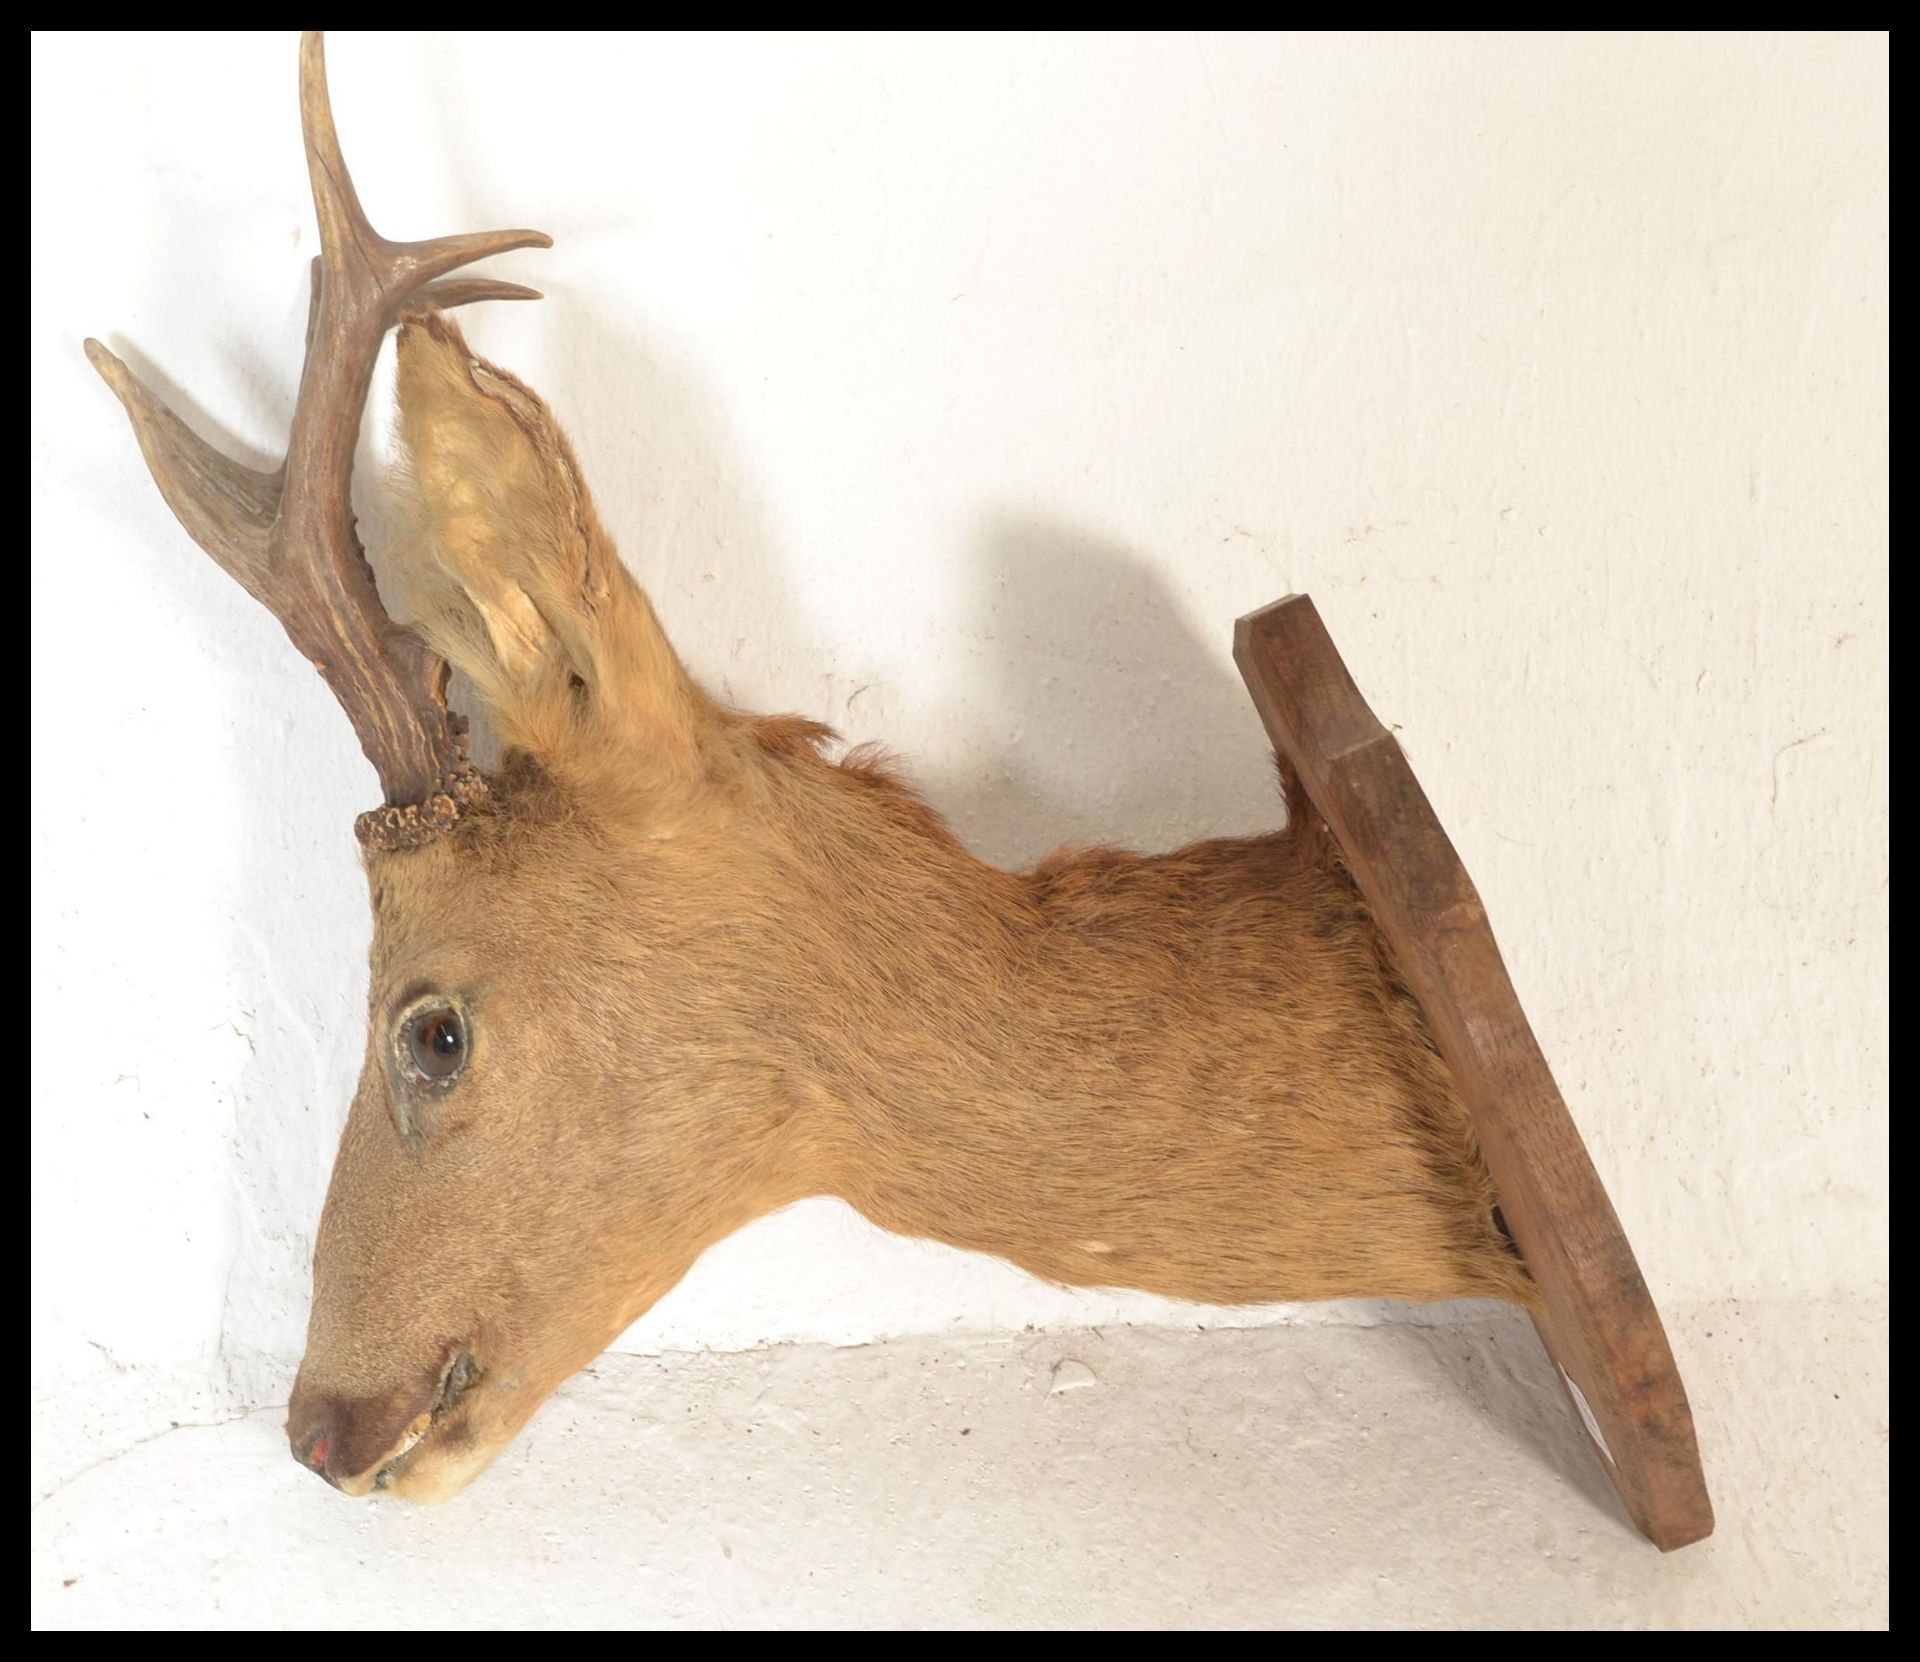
(1191, 1074)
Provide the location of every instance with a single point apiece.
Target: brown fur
(709, 972)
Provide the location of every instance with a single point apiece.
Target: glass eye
(437, 1040)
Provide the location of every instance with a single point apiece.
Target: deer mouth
(459, 1376)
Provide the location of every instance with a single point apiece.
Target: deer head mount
(670, 967)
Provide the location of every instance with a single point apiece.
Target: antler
(288, 537)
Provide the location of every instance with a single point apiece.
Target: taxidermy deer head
(670, 967)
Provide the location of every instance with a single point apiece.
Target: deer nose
(347, 1442)
(311, 1450)
(342, 1438)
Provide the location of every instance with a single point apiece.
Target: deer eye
(437, 1041)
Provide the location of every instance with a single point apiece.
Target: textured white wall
(961, 392)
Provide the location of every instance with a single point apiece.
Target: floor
(1399, 1476)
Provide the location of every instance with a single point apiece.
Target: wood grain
(1600, 1325)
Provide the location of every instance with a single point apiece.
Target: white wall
(961, 391)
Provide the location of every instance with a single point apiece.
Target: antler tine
(354, 252)
(289, 536)
(227, 509)
(463, 291)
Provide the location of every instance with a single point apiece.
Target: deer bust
(669, 967)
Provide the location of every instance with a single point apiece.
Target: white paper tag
(1586, 1415)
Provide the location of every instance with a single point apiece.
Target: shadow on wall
(1490, 1357)
(1131, 728)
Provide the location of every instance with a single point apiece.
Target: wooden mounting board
(1599, 1325)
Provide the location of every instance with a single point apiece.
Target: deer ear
(508, 573)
